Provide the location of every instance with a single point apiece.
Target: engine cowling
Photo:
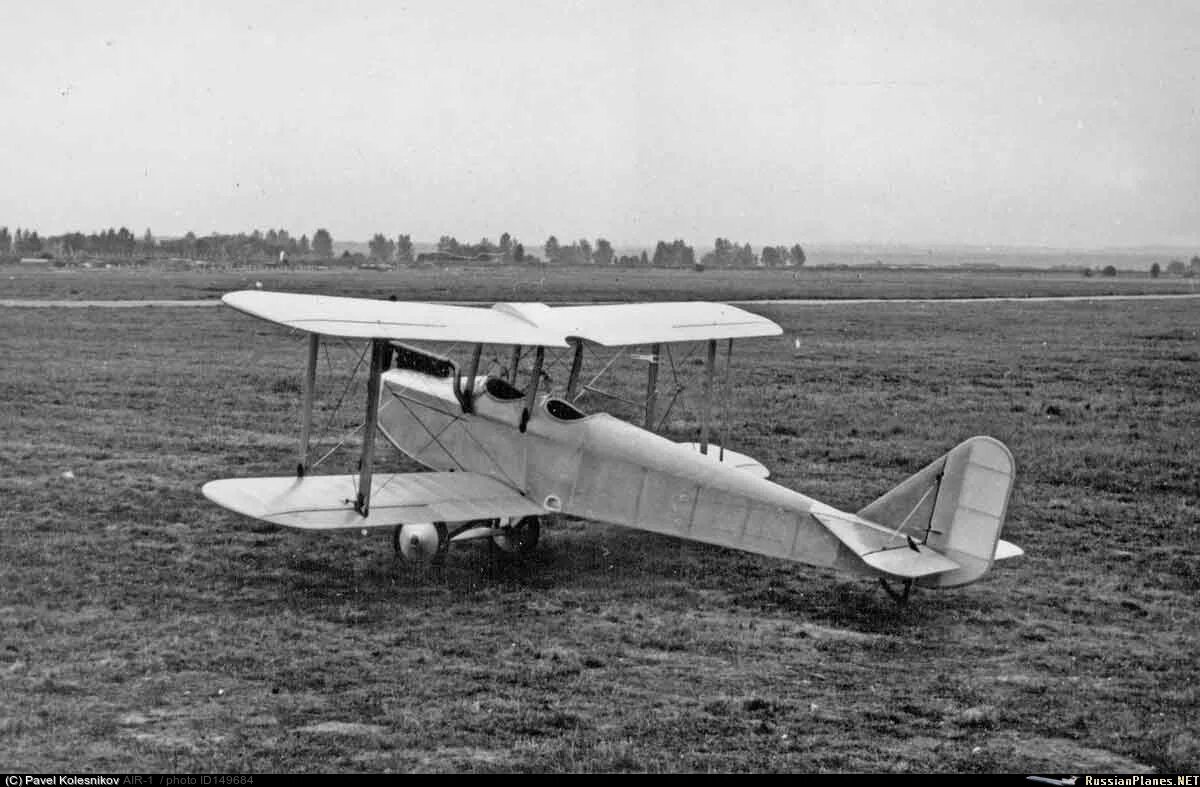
(421, 542)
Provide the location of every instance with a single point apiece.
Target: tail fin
(956, 506)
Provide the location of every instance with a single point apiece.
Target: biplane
(502, 454)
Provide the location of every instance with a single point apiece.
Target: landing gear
(521, 538)
(426, 543)
(901, 596)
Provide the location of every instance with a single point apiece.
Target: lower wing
(326, 502)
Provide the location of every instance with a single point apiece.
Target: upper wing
(366, 318)
(326, 502)
(625, 324)
(529, 324)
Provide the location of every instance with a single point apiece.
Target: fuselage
(597, 467)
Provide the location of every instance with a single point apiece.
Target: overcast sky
(998, 122)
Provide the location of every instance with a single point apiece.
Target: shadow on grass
(584, 563)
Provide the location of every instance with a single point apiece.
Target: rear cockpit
(502, 390)
(563, 410)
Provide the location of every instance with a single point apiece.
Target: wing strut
(725, 423)
(465, 392)
(531, 396)
(514, 364)
(363, 504)
(652, 385)
(576, 365)
(310, 384)
(706, 412)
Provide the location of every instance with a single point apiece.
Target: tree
(551, 248)
(1155, 270)
(27, 242)
(723, 252)
(304, 247)
(744, 256)
(322, 243)
(771, 257)
(1194, 270)
(797, 255)
(5, 241)
(603, 255)
(1176, 268)
(660, 254)
(518, 253)
(644, 259)
(1109, 271)
(506, 246)
(675, 254)
(585, 251)
(382, 247)
(404, 249)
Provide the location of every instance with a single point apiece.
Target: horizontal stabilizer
(1007, 549)
(883, 550)
(909, 563)
(326, 502)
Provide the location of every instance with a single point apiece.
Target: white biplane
(501, 458)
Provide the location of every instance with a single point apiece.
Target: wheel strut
(900, 597)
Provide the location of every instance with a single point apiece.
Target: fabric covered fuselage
(600, 468)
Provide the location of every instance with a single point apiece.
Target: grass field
(143, 628)
(588, 283)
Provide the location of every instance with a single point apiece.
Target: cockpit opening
(563, 410)
(503, 390)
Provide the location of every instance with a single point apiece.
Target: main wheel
(522, 537)
(422, 543)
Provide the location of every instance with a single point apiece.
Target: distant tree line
(19, 242)
(280, 245)
(1178, 268)
(256, 245)
(121, 242)
(676, 254)
(728, 254)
